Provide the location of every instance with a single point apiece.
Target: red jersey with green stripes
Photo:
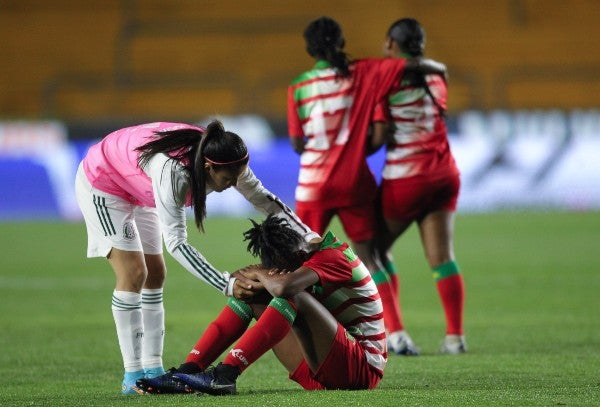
(346, 289)
(421, 139)
(334, 114)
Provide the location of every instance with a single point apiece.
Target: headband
(226, 163)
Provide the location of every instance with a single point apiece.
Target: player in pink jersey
(324, 321)
(132, 187)
(329, 113)
(420, 179)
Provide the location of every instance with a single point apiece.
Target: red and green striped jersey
(421, 139)
(346, 289)
(334, 114)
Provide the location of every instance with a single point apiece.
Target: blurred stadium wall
(524, 86)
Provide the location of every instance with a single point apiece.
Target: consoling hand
(247, 286)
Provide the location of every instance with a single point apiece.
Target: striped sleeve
(264, 201)
(196, 264)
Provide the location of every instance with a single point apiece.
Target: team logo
(128, 231)
(239, 354)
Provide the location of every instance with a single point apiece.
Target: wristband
(229, 288)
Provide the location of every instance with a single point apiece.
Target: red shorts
(344, 368)
(412, 198)
(358, 221)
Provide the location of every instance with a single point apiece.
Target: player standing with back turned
(420, 179)
(329, 112)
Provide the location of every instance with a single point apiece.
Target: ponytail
(180, 145)
(223, 150)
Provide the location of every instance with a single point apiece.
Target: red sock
(390, 268)
(272, 326)
(395, 283)
(218, 336)
(452, 294)
(392, 317)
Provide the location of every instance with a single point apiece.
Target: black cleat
(209, 381)
(165, 384)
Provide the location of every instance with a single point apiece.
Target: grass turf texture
(531, 319)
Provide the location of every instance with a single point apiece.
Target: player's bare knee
(155, 277)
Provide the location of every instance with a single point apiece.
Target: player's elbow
(173, 244)
(172, 250)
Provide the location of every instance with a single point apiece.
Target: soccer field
(532, 324)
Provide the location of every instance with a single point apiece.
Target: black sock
(228, 372)
(189, 368)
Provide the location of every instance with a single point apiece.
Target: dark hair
(409, 35)
(193, 148)
(324, 40)
(275, 243)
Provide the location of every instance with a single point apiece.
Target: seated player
(349, 352)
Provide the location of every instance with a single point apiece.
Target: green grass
(533, 329)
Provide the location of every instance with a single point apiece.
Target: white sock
(127, 312)
(153, 313)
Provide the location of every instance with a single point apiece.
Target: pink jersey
(112, 164)
(334, 114)
(421, 139)
(347, 290)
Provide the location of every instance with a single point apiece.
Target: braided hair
(409, 34)
(193, 148)
(275, 243)
(324, 40)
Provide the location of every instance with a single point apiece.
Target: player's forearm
(266, 202)
(426, 66)
(197, 265)
(287, 284)
(379, 136)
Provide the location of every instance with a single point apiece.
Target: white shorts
(111, 221)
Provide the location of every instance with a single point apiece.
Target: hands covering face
(248, 287)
